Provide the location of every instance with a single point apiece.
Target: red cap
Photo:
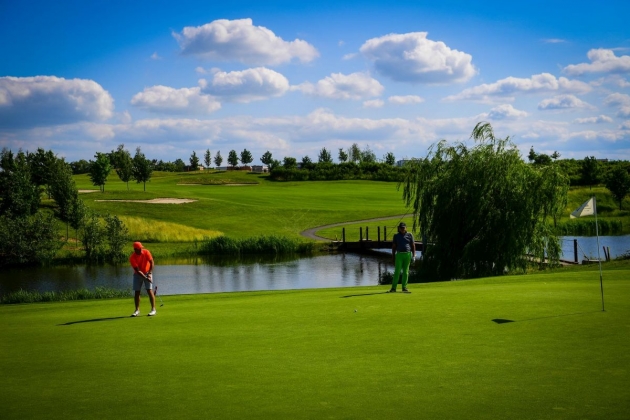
(137, 245)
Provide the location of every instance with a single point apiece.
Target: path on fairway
(310, 233)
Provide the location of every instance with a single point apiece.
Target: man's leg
(397, 268)
(151, 298)
(136, 299)
(406, 260)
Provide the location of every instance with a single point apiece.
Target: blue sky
(290, 77)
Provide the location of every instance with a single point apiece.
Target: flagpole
(601, 282)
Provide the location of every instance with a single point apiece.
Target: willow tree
(482, 208)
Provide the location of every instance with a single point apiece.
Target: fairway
(521, 347)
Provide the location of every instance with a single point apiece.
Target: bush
(277, 245)
(28, 240)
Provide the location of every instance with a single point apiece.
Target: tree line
(29, 232)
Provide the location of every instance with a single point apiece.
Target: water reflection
(211, 276)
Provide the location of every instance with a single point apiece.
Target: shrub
(25, 296)
(272, 244)
(28, 240)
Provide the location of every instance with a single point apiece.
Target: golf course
(520, 347)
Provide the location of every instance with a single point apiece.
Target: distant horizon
(84, 77)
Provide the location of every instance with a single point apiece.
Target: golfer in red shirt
(142, 262)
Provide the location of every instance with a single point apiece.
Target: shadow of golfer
(363, 294)
(93, 320)
(505, 321)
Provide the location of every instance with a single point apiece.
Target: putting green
(535, 346)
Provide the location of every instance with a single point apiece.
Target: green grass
(434, 354)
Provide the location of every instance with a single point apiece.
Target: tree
(246, 157)
(367, 155)
(324, 156)
(289, 163)
(63, 190)
(179, 165)
(19, 195)
(354, 153)
(555, 155)
(266, 158)
(233, 158)
(99, 170)
(116, 236)
(590, 171)
(618, 183)
(142, 168)
(343, 156)
(28, 239)
(390, 159)
(483, 209)
(123, 164)
(194, 162)
(41, 163)
(218, 159)
(207, 158)
(80, 167)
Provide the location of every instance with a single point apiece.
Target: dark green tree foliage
(307, 163)
(590, 171)
(80, 167)
(367, 155)
(194, 162)
(218, 159)
(482, 208)
(142, 168)
(343, 156)
(179, 165)
(123, 164)
(618, 183)
(41, 166)
(289, 163)
(390, 159)
(99, 170)
(233, 158)
(246, 157)
(266, 158)
(116, 236)
(28, 239)
(19, 196)
(93, 238)
(63, 189)
(324, 156)
(207, 158)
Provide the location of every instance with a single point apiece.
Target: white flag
(586, 209)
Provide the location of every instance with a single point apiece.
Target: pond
(260, 273)
(199, 276)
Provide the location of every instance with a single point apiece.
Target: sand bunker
(156, 201)
(87, 191)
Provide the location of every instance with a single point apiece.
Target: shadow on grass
(94, 320)
(363, 294)
(506, 321)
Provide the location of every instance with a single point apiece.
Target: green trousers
(403, 259)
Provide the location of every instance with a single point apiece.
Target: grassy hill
(535, 346)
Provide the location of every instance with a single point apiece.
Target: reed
(586, 227)
(28, 296)
(272, 244)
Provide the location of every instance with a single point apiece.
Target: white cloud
(155, 56)
(374, 103)
(170, 100)
(613, 79)
(247, 85)
(354, 86)
(594, 120)
(405, 100)
(504, 112)
(506, 89)
(554, 41)
(602, 61)
(563, 102)
(413, 58)
(239, 40)
(617, 99)
(625, 125)
(621, 101)
(50, 100)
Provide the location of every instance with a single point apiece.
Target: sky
(289, 77)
